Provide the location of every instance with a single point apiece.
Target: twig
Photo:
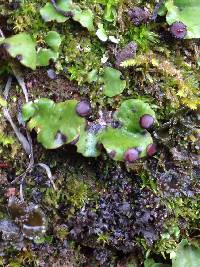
(20, 80)
(20, 136)
(26, 144)
(1, 33)
(48, 172)
(22, 84)
(22, 176)
(42, 165)
(7, 88)
(21, 192)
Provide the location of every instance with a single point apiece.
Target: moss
(178, 84)
(103, 238)
(76, 193)
(183, 223)
(9, 146)
(61, 232)
(27, 18)
(82, 54)
(19, 259)
(187, 210)
(145, 38)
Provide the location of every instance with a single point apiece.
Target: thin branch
(20, 136)
(48, 172)
(20, 80)
(43, 166)
(2, 34)
(7, 88)
(22, 139)
(21, 192)
(22, 84)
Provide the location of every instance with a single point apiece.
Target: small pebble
(51, 74)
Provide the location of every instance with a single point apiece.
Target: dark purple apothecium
(146, 121)
(131, 155)
(83, 108)
(151, 150)
(112, 154)
(178, 30)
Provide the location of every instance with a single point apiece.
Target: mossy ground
(160, 194)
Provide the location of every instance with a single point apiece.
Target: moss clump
(186, 211)
(72, 195)
(27, 18)
(77, 194)
(144, 36)
(178, 85)
(82, 54)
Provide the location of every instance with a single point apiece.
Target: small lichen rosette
(131, 140)
(55, 123)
